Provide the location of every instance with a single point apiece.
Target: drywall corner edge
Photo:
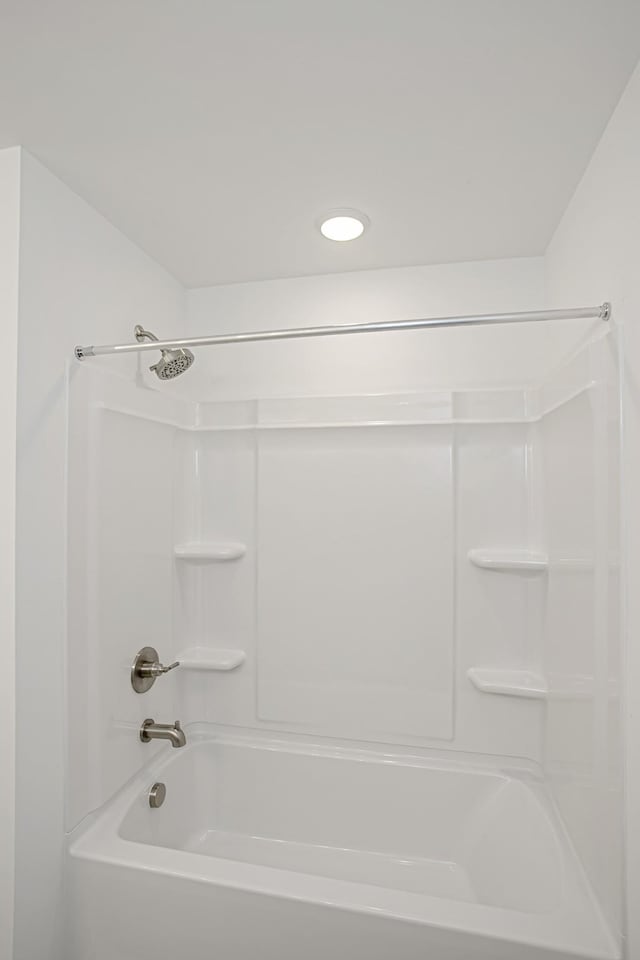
(9, 269)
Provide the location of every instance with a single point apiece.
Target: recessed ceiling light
(343, 225)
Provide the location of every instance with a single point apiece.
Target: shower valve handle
(146, 668)
(157, 669)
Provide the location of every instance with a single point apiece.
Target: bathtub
(275, 850)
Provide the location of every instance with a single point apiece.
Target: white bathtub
(270, 850)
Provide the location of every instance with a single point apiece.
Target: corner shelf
(205, 659)
(509, 561)
(213, 552)
(509, 683)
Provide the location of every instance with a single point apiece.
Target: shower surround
(396, 618)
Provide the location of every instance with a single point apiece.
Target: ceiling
(214, 133)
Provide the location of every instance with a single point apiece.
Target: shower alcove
(396, 616)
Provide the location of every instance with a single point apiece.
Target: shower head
(172, 362)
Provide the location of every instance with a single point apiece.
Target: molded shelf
(509, 683)
(509, 561)
(204, 658)
(219, 551)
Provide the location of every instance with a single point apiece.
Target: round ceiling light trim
(343, 225)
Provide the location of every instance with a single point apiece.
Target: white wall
(9, 239)
(370, 363)
(595, 254)
(80, 281)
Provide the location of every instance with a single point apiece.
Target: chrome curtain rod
(601, 312)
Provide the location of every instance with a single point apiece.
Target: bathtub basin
(286, 851)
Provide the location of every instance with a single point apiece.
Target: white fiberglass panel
(581, 654)
(120, 577)
(355, 580)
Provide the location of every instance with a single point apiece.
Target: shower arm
(601, 312)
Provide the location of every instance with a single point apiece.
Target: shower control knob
(157, 669)
(146, 668)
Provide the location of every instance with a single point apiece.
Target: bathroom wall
(80, 281)
(395, 362)
(595, 254)
(9, 240)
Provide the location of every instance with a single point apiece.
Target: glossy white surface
(210, 551)
(454, 849)
(508, 561)
(509, 683)
(203, 658)
(581, 637)
(120, 579)
(238, 479)
(355, 581)
(327, 493)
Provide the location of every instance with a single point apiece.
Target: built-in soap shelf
(219, 551)
(509, 561)
(509, 683)
(206, 658)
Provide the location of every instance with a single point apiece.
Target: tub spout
(150, 730)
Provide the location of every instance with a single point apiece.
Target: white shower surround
(502, 478)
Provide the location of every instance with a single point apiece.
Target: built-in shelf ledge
(509, 561)
(219, 551)
(509, 683)
(205, 658)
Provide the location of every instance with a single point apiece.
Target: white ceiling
(215, 132)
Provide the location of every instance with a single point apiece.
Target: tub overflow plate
(156, 795)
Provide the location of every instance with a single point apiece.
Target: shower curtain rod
(601, 312)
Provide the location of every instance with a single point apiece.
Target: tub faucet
(150, 730)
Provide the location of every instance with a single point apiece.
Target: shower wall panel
(498, 612)
(311, 564)
(354, 603)
(123, 444)
(581, 654)
(355, 545)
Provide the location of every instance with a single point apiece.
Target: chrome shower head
(172, 362)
